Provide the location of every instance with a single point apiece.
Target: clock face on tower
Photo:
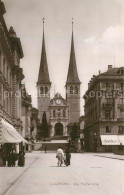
(58, 101)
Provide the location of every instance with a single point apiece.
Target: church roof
(43, 77)
(72, 71)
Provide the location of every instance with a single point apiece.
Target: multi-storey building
(11, 74)
(104, 108)
(26, 113)
(61, 113)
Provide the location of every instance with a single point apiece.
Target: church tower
(43, 83)
(73, 86)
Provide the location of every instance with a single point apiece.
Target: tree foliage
(44, 126)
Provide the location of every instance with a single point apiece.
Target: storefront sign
(112, 139)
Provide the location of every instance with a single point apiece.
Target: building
(34, 123)
(11, 74)
(26, 113)
(61, 113)
(104, 108)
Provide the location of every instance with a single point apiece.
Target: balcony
(120, 119)
(107, 106)
(121, 106)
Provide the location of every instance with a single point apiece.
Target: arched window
(54, 113)
(46, 90)
(41, 90)
(75, 90)
(63, 113)
(71, 90)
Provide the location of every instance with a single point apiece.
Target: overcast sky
(98, 36)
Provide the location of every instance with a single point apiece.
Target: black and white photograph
(61, 97)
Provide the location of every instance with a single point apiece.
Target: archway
(58, 129)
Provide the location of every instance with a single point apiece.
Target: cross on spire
(72, 23)
(43, 22)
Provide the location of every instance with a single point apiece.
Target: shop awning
(10, 134)
(112, 139)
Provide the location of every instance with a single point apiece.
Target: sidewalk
(9, 175)
(110, 155)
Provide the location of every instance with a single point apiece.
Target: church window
(58, 114)
(41, 90)
(46, 90)
(71, 90)
(63, 113)
(76, 90)
(54, 113)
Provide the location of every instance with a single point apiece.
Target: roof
(43, 71)
(113, 72)
(72, 71)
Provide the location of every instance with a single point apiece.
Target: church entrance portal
(58, 129)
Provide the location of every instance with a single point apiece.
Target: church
(61, 113)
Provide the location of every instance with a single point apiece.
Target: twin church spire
(72, 77)
(43, 77)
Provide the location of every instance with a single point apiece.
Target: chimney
(109, 67)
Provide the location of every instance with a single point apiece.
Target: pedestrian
(14, 158)
(3, 157)
(21, 159)
(9, 158)
(68, 156)
(60, 156)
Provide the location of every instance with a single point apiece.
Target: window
(122, 86)
(108, 129)
(107, 114)
(76, 90)
(63, 113)
(41, 90)
(0, 61)
(46, 90)
(59, 114)
(121, 100)
(122, 110)
(71, 90)
(7, 75)
(4, 67)
(54, 113)
(107, 86)
(121, 130)
(108, 101)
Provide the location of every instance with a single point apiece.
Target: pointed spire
(72, 71)
(43, 77)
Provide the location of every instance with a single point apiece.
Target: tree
(74, 132)
(44, 126)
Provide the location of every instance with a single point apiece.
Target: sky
(98, 38)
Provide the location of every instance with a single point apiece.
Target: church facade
(61, 113)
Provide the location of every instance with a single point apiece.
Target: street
(87, 175)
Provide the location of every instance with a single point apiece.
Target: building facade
(104, 108)
(60, 112)
(11, 74)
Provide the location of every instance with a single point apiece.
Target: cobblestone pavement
(87, 175)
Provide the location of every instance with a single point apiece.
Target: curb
(12, 184)
(110, 157)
